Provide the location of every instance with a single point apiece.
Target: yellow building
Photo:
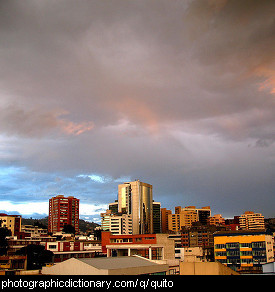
(12, 222)
(244, 250)
(216, 220)
(186, 216)
(251, 221)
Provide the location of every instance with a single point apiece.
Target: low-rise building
(205, 268)
(269, 268)
(34, 230)
(132, 265)
(151, 246)
(64, 250)
(9, 264)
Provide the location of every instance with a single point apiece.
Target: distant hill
(270, 224)
(84, 226)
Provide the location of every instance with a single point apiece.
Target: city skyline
(179, 94)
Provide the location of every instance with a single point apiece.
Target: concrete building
(185, 252)
(12, 222)
(205, 268)
(185, 217)
(216, 220)
(194, 254)
(150, 246)
(63, 211)
(64, 250)
(116, 224)
(244, 250)
(107, 266)
(10, 264)
(164, 220)
(251, 221)
(34, 230)
(269, 268)
(232, 223)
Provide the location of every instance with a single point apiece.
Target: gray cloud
(179, 94)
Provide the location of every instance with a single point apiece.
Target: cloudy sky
(178, 94)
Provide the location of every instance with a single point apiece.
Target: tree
(39, 224)
(4, 232)
(37, 256)
(68, 229)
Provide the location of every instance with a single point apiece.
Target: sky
(178, 94)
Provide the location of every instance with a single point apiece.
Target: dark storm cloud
(179, 94)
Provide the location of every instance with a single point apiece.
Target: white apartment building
(116, 224)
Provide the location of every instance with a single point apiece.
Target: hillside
(84, 226)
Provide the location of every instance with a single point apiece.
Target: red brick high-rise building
(63, 211)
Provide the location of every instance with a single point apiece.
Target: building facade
(116, 224)
(151, 246)
(216, 220)
(156, 217)
(63, 211)
(244, 251)
(185, 217)
(64, 250)
(164, 220)
(136, 199)
(34, 230)
(12, 222)
(251, 221)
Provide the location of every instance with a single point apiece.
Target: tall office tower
(63, 211)
(164, 219)
(250, 221)
(156, 217)
(136, 199)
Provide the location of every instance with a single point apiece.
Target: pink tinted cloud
(76, 129)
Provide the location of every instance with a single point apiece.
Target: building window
(260, 244)
(220, 246)
(232, 245)
(249, 245)
(52, 246)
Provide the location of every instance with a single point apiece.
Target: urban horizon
(96, 218)
(179, 94)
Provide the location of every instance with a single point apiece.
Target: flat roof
(117, 262)
(242, 232)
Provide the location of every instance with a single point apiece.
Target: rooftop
(241, 232)
(117, 262)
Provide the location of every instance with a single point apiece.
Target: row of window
(261, 253)
(259, 244)
(239, 261)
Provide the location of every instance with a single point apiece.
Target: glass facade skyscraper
(136, 199)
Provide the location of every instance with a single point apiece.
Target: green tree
(4, 232)
(37, 256)
(68, 229)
